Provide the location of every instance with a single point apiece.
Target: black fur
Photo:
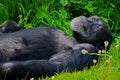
(29, 51)
(10, 26)
(68, 60)
(41, 41)
(34, 43)
(91, 30)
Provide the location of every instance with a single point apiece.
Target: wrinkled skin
(68, 60)
(91, 30)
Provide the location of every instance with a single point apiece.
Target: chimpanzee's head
(91, 30)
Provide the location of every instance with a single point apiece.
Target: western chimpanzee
(42, 43)
(68, 60)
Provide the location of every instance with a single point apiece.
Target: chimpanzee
(43, 42)
(10, 26)
(68, 60)
(39, 43)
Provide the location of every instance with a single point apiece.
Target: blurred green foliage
(58, 13)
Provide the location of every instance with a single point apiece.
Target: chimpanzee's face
(87, 27)
(91, 29)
